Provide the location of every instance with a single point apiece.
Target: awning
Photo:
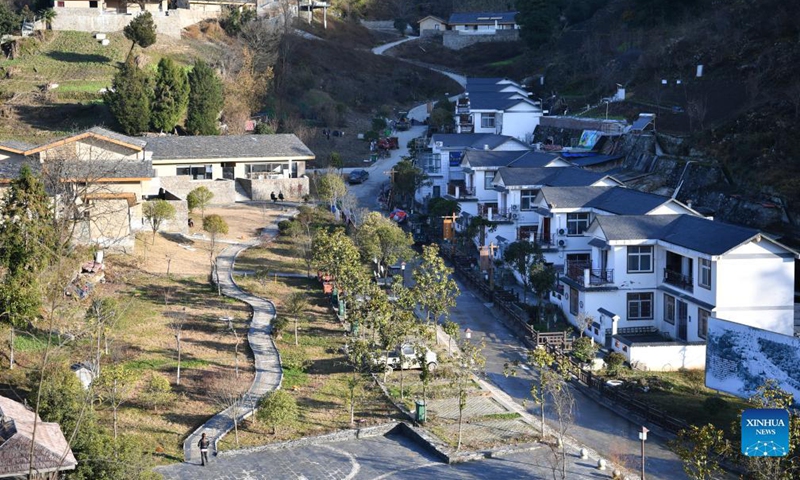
(687, 297)
(601, 244)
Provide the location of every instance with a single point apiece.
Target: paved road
(611, 435)
(384, 457)
(267, 362)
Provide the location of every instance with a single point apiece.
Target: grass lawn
(682, 394)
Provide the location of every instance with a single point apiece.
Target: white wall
(756, 287)
(665, 358)
(520, 125)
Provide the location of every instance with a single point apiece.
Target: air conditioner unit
(562, 243)
(562, 232)
(439, 144)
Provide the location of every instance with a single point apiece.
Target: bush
(613, 362)
(277, 408)
(371, 135)
(264, 129)
(715, 405)
(584, 349)
(157, 392)
(279, 324)
(285, 227)
(378, 124)
(295, 359)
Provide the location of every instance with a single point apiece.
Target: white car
(410, 359)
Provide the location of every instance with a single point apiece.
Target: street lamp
(403, 270)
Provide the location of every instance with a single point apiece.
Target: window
(702, 322)
(577, 223)
(640, 306)
(197, 172)
(437, 191)
(487, 180)
(704, 273)
(93, 4)
(640, 259)
(60, 3)
(669, 309)
(573, 300)
(526, 198)
(487, 120)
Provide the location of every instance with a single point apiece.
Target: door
(683, 319)
(437, 191)
(228, 170)
(546, 231)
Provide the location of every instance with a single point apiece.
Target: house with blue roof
(497, 105)
(649, 283)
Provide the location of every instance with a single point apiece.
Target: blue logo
(765, 432)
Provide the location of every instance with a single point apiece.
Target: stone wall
(224, 190)
(293, 188)
(378, 24)
(170, 22)
(455, 40)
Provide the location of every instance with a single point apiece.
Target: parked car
(410, 358)
(358, 176)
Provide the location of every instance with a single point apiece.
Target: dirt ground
(188, 258)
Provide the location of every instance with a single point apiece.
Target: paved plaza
(393, 456)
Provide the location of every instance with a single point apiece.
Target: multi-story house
(500, 106)
(565, 213)
(514, 209)
(480, 166)
(443, 163)
(651, 282)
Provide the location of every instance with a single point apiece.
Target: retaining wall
(455, 40)
(170, 22)
(224, 190)
(293, 188)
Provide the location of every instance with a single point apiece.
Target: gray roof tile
(616, 200)
(472, 140)
(550, 176)
(16, 145)
(514, 159)
(281, 146)
(695, 233)
(483, 18)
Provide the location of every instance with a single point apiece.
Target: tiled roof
(482, 18)
(616, 200)
(518, 159)
(550, 176)
(485, 80)
(278, 146)
(472, 140)
(15, 145)
(138, 141)
(16, 435)
(689, 231)
(495, 100)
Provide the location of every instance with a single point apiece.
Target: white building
(650, 283)
(443, 164)
(497, 105)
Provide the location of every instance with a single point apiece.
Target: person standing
(203, 444)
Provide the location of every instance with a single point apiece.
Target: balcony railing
(462, 107)
(684, 282)
(579, 271)
(494, 214)
(460, 191)
(465, 120)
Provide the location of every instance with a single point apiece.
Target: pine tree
(129, 99)
(205, 100)
(141, 31)
(171, 96)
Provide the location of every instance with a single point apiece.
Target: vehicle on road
(407, 358)
(358, 176)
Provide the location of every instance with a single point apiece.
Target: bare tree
(697, 108)
(237, 343)
(177, 325)
(562, 404)
(227, 392)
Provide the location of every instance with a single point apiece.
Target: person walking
(203, 444)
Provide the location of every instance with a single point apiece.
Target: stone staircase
(242, 195)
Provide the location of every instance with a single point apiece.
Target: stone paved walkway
(268, 375)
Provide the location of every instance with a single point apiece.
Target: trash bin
(421, 411)
(342, 311)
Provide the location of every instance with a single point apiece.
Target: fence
(617, 395)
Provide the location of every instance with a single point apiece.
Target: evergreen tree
(205, 100)
(537, 20)
(27, 240)
(129, 98)
(171, 96)
(141, 31)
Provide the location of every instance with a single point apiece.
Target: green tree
(48, 15)
(129, 98)
(614, 362)
(542, 278)
(205, 100)
(141, 31)
(537, 20)
(541, 359)
(335, 160)
(452, 329)
(359, 356)
(157, 392)
(114, 387)
(406, 180)
(522, 255)
(701, 449)
(584, 349)
(336, 254)
(27, 242)
(277, 408)
(215, 225)
(200, 198)
(435, 289)
(331, 188)
(157, 212)
(170, 96)
(382, 239)
(296, 305)
(9, 20)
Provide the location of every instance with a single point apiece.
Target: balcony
(460, 192)
(677, 279)
(491, 212)
(462, 106)
(587, 276)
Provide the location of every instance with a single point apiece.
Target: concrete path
(386, 46)
(267, 360)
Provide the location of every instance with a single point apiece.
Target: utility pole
(643, 437)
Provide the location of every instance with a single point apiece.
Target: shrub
(584, 349)
(285, 227)
(371, 135)
(157, 392)
(279, 324)
(714, 405)
(277, 408)
(295, 359)
(263, 128)
(613, 362)
(378, 124)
